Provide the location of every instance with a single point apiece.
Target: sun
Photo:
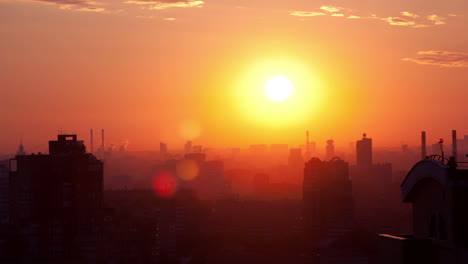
(278, 92)
(279, 88)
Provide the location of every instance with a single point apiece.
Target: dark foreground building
(56, 204)
(438, 192)
(328, 206)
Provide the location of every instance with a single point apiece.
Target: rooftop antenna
(423, 145)
(441, 144)
(454, 145)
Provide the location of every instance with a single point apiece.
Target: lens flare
(164, 185)
(187, 169)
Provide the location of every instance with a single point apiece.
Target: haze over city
(233, 131)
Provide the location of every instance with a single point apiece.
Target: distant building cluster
(266, 204)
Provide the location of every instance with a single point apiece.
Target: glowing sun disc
(278, 88)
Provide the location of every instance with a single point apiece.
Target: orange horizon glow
(196, 70)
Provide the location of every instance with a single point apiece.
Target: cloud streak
(331, 9)
(75, 5)
(436, 19)
(306, 13)
(165, 4)
(440, 58)
(407, 19)
(409, 14)
(398, 21)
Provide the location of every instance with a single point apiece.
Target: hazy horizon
(151, 71)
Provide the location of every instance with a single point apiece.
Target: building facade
(56, 203)
(438, 192)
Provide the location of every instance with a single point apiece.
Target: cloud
(306, 13)
(75, 5)
(331, 9)
(440, 58)
(421, 26)
(437, 19)
(408, 14)
(398, 21)
(407, 19)
(164, 4)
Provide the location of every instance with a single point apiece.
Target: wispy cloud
(331, 9)
(437, 19)
(306, 13)
(409, 14)
(440, 58)
(164, 4)
(407, 19)
(398, 21)
(75, 5)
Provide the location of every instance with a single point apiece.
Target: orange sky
(142, 69)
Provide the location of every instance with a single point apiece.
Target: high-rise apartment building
(56, 203)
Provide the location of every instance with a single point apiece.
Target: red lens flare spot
(164, 185)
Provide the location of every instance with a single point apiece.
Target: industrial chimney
(454, 144)
(423, 145)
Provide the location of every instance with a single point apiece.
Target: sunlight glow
(278, 88)
(264, 95)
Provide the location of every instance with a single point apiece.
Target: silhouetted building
(330, 149)
(258, 149)
(178, 228)
(328, 202)
(404, 148)
(364, 151)
(56, 203)
(4, 182)
(279, 149)
(188, 147)
(163, 149)
(295, 158)
(197, 149)
(205, 178)
(21, 149)
(438, 193)
(261, 184)
(295, 166)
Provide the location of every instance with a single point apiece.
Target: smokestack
(102, 139)
(454, 144)
(92, 141)
(423, 144)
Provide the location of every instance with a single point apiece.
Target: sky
(149, 71)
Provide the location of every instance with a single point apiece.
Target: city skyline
(151, 71)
